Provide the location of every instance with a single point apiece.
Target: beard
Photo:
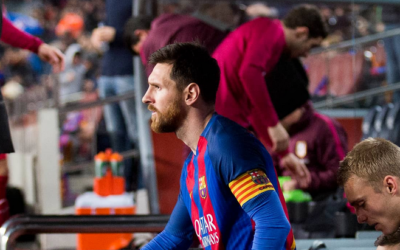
(170, 120)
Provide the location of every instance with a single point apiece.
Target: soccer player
(228, 196)
(370, 174)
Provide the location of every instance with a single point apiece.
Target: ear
(141, 33)
(391, 184)
(301, 32)
(191, 93)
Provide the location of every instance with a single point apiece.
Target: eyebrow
(353, 203)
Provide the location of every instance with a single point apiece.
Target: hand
(289, 185)
(102, 34)
(298, 169)
(53, 56)
(279, 137)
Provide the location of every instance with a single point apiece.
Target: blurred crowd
(27, 82)
(68, 24)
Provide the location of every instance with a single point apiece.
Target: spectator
(71, 79)
(320, 142)
(17, 67)
(249, 53)
(144, 35)
(116, 79)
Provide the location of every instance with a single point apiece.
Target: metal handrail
(333, 102)
(81, 106)
(64, 224)
(357, 41)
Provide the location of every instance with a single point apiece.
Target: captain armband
(249, 185)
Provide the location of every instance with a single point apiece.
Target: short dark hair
(135, 23)
(309, 16)
(191, 63)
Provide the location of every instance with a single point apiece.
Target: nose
(146, 98)
(361, 218)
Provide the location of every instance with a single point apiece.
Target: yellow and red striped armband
(249, 185)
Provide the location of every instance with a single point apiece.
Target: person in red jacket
(251, 52)
(144, 34)
(17, 38)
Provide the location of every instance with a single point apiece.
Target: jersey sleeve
(178, 233)
(249, 185)
(17, 38)
(271, 224)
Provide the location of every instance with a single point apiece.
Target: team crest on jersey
(301, 149)
(202, 187)
(258, 176)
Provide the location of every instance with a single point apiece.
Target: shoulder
(227, 134)
(260, 23)
(234, 150)
(167, 19)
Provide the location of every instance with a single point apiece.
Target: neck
(289, 34)
(194, 124)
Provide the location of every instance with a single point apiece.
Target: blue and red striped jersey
(230, 169)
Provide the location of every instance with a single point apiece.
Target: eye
(155, 86)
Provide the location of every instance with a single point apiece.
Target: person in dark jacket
(321, 143)
(116, 79)
(318, 141)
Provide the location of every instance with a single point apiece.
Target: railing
(51, 224)
(358, 41)
(333, 102)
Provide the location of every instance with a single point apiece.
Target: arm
(271, 225)
(255, 64)
(177, 234)
(262, 204)
(331, 152)
(17, 38)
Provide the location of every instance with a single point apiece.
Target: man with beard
(228, 182)
(247, 55)
(370, 174)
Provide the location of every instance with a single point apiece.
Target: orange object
(91, 204)
(109, 183)
(70, 23)
(108, 198)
